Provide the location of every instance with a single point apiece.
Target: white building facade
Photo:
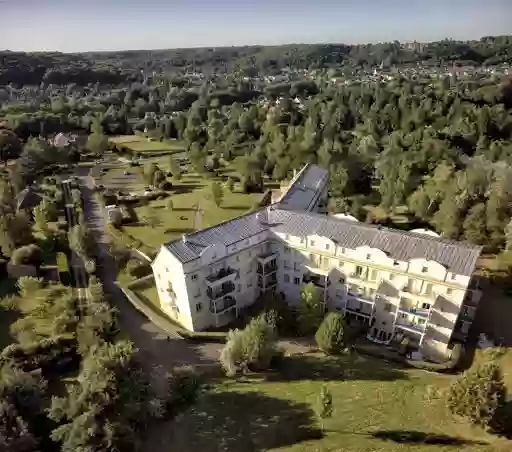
(405, 284)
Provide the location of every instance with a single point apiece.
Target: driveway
(157, 349)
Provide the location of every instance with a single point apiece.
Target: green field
(140, 144)
(377, 407)
(158, 224)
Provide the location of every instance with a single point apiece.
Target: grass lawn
(377, 407)
(158, 224)
(141, 144)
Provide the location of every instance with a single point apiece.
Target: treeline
(120, 67)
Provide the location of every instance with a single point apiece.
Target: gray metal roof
(456, 257)
(305, 188)
(226, 233)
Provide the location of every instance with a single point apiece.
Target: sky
(84, 25)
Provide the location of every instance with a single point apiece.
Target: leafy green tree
(97, 141)
(20, 406)
(217, 193)
(230, 184)
(324, 407)
(311, 310)
(478, 394)
(82, 241)
(28, 255)
(251, 348)
(447, 219)
(474, 224)
(330, 336)
(109, 403)
(174, 168)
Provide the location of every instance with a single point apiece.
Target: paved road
(156, 348)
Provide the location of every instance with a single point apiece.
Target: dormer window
(396, 263)
(424, 270)
(368, 257)
(312, 243)
(326, 246)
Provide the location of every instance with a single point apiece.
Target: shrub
(330, 336)
(311, 311)
(184, 386)
(252, 348)
(478, 394)
(165, 185)
(138, 269)
(27, 255)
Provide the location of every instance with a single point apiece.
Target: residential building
(401, 283)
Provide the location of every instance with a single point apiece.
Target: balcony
(266, 257)
(267, 281)
(361, 298)
(411, 327)
(269, 267)
(424, 313)
(217, 292)
(221, 306)
(321, 281)
(357, 310)
(222, 276)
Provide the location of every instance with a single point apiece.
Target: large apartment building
(412, 284)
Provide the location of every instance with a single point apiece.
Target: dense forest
(125, 66)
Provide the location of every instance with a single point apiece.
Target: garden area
(138, 145)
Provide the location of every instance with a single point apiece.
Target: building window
(286, 250)
(326, 246)
(250, 253)
(312, 243)
(167, 269)
(387, 307)
(342, 280)
(449, 291)
(233, 248)
(342, 250)
(238, 287)
(296, 266)
(396, 263)
(199, 307)
(454, 276)
(286, 278)
(425, 306)
(238, 259)
(340, 264)
(286, 264)
(302, 240)
(368, 257)
(296, 281)
(421, 321)
(193, 277)
(359, 270)
(402, 315)
(424, 269)
(249, 285)
(391, 276)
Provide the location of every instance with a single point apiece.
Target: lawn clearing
(377, 407)
(159, 224)
(140, 144)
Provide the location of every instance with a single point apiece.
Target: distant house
(62, 140)
(27, 199)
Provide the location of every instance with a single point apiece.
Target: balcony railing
(267, 256)
(269, 267)
(357, 310)
(220, 291)
(321, 281)
(411, 327)
(221, 276)
(218, 307)
(360, 298)
(414, 311)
